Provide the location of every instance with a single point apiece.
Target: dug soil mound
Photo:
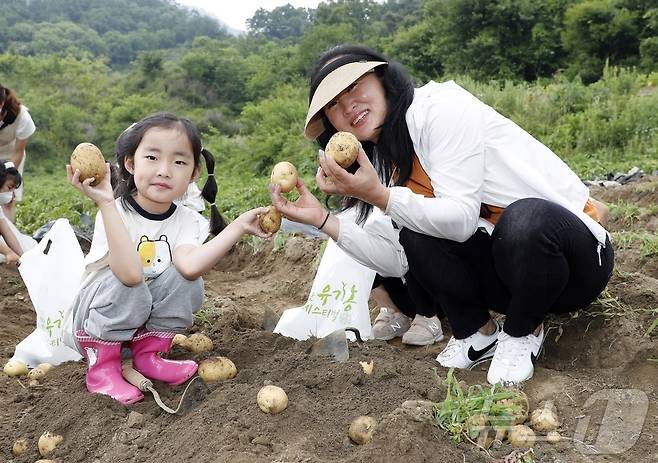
(598, 367)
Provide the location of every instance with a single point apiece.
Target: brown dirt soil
(596, 367)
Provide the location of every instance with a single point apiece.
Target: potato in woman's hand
(343, 147)
(270, 222)
(284, 174)
(89, 160)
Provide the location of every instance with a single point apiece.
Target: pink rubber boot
(147, 346)
(104, 375)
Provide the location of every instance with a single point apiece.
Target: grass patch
(645, 242)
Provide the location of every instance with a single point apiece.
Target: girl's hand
(100, 194)
(12, 258)
(249, 222)
(364, 184)
(306, 209)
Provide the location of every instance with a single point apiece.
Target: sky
(236, 12)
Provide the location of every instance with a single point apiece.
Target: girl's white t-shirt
(154, 237)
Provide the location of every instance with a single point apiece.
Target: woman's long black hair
(394, 148)
(129, 140)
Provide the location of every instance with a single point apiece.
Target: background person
(16, 127)
(477, 211)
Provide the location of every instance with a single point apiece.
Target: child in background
(12, 242)
(143, 272)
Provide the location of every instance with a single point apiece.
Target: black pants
(409, 296)
(540, 259)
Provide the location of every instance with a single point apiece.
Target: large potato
(15, 368)
(343, 147)
(285, 175)
(544, 420)
(272, 399)
(270, 222)
(198, 343)
(47, 443)
(521, 436)
(217, 369)
(361, 429)
(20, 447)
(89, 160)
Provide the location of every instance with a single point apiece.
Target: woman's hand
(306, 209)
(249, 222)
(364, 184)
(101, 194)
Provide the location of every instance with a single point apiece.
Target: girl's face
(9, 184)
(163, 167)
(360, 108)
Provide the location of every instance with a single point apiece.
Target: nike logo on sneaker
(474, 354)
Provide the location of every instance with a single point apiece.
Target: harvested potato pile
(89, 160)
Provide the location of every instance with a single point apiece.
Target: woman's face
(360, 109)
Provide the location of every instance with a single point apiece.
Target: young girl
(143, 271)
(479, 215)
(12, 242)
(16, 127)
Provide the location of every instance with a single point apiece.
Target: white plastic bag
(51, 272)
(338, 299)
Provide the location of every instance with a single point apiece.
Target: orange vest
(419, 182)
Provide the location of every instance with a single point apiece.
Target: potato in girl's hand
(270, 222)
(284, 174)
(343, 147)
(89, 160)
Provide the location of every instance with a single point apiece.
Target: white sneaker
(514, 360)
(423, 331)
(390, 324)
(468, 352)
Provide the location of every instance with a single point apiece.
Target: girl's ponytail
(209, 193)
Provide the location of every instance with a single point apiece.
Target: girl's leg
(104, 314)
(109, 310)
(174, 300)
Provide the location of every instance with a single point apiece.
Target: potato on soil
(45, 367)
(284, 174)
(47, 443)
(15, 368)
(198, 343)
(217, 369)
(518, 407)
(343, 147)
(521, 436)
(544, 420)
(367, 367)
(270, 222)
(180, 340)
(361, 429)
(89, 160)
(20, 447)
(36, 374)
(272, 399)
(553, 437)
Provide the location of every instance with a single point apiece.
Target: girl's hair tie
(9, 165)
(211, 175)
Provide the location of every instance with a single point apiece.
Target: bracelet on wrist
(324, 222)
